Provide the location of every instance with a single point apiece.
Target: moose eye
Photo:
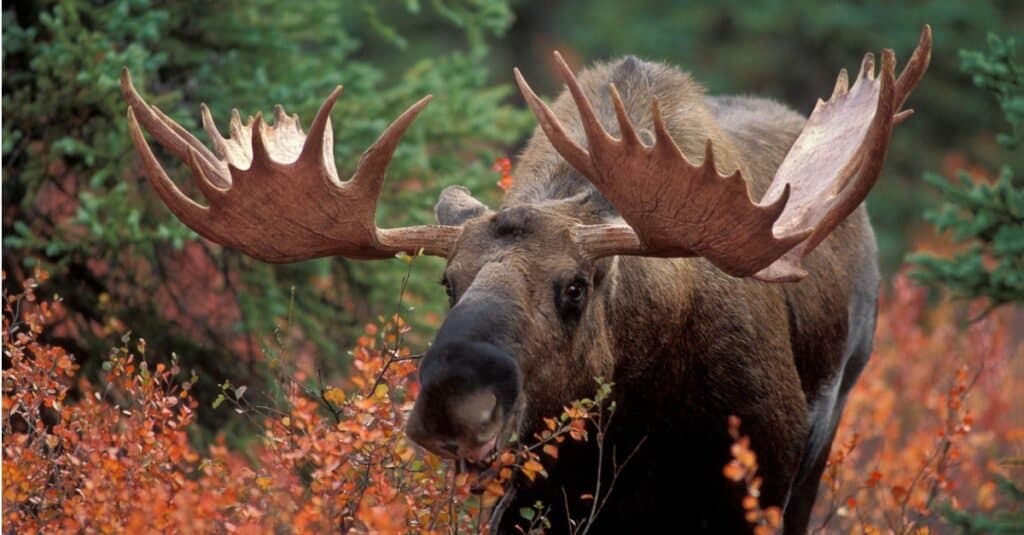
(575, 292)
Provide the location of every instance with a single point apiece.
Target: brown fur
(685, 344)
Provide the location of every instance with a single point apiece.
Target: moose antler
(675, 208)
(274, 192)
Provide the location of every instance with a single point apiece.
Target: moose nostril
(477, 409)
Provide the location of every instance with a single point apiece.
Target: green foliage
(987, 217)
(998, 523)
(990, 217)
(75, 199)
(998, 72)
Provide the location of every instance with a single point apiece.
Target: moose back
(631, 248)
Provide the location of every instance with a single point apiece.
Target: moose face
(515, 346)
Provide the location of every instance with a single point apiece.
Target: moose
(630, 248)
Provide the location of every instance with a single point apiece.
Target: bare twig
(392, 352)
(335, 412)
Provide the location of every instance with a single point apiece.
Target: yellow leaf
(334, 395)
(531, 467)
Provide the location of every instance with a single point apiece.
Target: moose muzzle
(470, 385)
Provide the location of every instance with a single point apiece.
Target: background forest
(264, 364)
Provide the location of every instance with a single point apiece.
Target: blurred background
(75, 202)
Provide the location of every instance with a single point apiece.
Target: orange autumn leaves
(930, 421)
(927, 424)
(503, 166)
(116, 455)
(742, 469)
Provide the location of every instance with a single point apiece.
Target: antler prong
(626, 129)
(842, 84)
(376, 158)
(867, 67)
(661, 135)
(889, 64)
(235, 127)
(573, 153)
(596, 134)
(183, 207)
(209, 189)
(187, 140)
(709, 162)
(261, 160)
(212, 132)
(915, 68)
(775, 208)
(317, 143)
(902, 116)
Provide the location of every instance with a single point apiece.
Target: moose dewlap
(630, 247)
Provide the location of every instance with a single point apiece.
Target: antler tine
(867, 67)
(236, 129)
(573, 153)
(187, 210)
(279, 115)
(189, 140)
(317, 142)
(626, 128)
(373, 163)
(212, 132)
(842, 84)
(261, 159)
(171, 135)
(914, 70)
(214, 194)
(912, 73)
(597, 136)
(274, 192)
(661, 134)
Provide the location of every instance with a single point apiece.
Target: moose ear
(456, 205)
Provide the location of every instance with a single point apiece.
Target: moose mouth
(484, 455)
(482, 462)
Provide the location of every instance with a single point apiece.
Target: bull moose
(629, 248)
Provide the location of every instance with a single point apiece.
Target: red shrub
(925, 425)
(928, 421)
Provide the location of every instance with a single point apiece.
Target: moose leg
(863, 311)
(798, 512)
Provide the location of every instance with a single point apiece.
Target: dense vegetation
(232, 392)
